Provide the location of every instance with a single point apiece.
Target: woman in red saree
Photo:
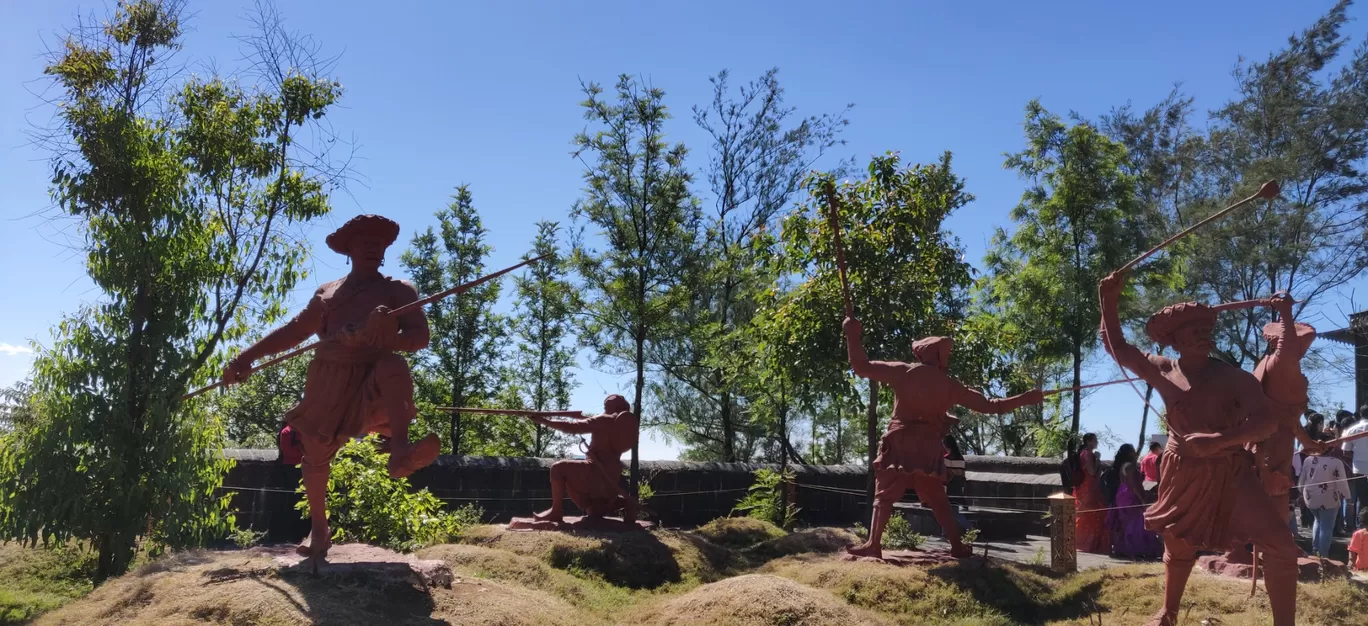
(1090, 527)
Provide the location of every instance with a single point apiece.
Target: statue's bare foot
(549, 515)
(1163, 619)
(867, 548)
(310, 548)
(404, 462)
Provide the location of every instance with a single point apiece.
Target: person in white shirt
(1324, 485)
(1356, 455)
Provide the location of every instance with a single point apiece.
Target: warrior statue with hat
(911, 453)
(356, 384)
(1210, 493)
(1286, 387)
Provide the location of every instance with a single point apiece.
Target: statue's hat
(373, 226)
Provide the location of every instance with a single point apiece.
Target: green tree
(758, 157)
(1076, 223)
(637, 196)
(460, 366)
(253, 412)
(1299, 117)
(908, 275)
(184, 189)
(542, 326)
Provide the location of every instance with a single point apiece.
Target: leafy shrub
(898, 534)
(970, 536)
(365, 504)
(766, 499)
(246, 537)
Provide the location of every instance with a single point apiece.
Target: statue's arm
(307, 323)
(1114, 339)
(882, 371)
(974, 400)
(414, 333)
(1259, 422)
(584, 426)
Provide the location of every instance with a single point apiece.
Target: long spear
(833, 215)
(1269, 189)
(399, 311)
(1051, 392)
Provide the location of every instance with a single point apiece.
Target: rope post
(1063, 559)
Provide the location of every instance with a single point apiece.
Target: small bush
(246, 537)
(898, 534)
(739, 532)
(766, 499)
(970, 536)
(365, 504)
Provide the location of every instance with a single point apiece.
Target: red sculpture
(356, 383)
(1286, 387)
(594, 484)
(1210, 493)
(911, 453)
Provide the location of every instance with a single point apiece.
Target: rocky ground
(738, 572)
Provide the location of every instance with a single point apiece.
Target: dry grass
(633, 560)
(754, 600)
(812, 540)
(659, 578)
(243, 588)
(739, 532)
(37, 580)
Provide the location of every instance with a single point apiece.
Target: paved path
(1036, 550)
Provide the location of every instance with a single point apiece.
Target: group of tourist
(1331, 493)
(1332, 487)
(1110, 516)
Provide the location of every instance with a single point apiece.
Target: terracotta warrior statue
(1286, 386)
(356, 384)
(911, 453)
(594, 483)
(1210, 493)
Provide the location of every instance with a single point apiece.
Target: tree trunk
(1077, 381)
(728, 448)
(636, 408)
(1144, 415)
(872, 432)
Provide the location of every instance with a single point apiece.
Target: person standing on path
(1090, 527)
(1324, 486)
(1356, 455)
(1149, 466)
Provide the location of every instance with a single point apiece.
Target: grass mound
(243, 587)
(755, 600)
(594, 596)
(36, 580)
(812, 540)
(739, 532)
(645, 560)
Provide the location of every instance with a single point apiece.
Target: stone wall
(687, 493)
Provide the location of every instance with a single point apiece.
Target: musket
(399, 311)
(518, 412)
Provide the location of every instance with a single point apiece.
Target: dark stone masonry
(686, 493)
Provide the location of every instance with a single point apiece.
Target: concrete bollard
(1063, 558)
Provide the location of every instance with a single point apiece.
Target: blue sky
(444, 93)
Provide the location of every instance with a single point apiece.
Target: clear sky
(444, 93)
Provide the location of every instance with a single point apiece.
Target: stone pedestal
(372, 562)
(591, 524)
(1063, 558)
(1308, 569)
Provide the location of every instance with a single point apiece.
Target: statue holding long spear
(911, 452)
(1210, 492)
(357, 383)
